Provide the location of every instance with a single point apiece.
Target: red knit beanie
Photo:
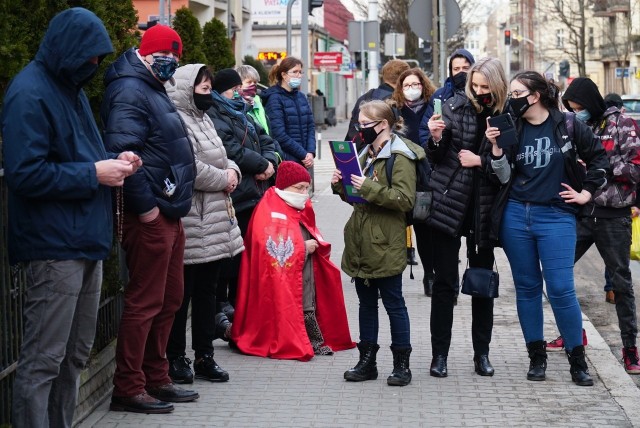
(160, 38)
(290, 173)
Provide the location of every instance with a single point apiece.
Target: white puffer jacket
(210, 233)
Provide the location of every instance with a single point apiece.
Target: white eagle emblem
(280, 251)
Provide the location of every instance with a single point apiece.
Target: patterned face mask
(164, 67)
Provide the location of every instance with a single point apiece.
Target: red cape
(268, 319)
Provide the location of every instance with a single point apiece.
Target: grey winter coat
(208, 228)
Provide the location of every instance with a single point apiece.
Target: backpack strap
(388, 167)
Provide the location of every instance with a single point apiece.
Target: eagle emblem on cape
(281, 251)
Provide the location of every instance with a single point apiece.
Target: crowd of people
(205, 185)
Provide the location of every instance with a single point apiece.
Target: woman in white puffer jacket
(212, 233)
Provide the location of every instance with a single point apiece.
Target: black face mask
(203, 101)
(369, 134)
(84, 73)
(459, 80)
(484, 100)
(519, 105)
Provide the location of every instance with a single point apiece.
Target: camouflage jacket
(620, 138)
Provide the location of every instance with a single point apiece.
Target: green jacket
(257, 113)
(375, 237)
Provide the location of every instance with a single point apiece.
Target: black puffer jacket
(139, 116)
(454, 187)
(251, 148)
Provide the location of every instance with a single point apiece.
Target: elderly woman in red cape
(289, 303)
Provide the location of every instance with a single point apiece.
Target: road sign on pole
(394, 44)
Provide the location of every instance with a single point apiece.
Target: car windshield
(632, 106)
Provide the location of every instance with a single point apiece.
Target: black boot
(579, 369)
(315, 335)
(427, 282)
(438, 366)
(401, 375)
(482, 365)
(366, 368)
(222, 327)
(538, 356)
(411, 256)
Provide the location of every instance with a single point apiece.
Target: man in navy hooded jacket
(60, 225)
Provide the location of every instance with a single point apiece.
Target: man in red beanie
(139, 116)
(285, 257)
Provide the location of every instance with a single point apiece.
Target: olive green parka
(374, 236)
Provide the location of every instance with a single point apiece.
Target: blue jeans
(391, 293)
(535, 235)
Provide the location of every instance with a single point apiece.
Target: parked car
(632, 106)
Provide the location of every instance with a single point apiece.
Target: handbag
(480, 282)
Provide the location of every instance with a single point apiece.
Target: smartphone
(507, 127)
(437, 106)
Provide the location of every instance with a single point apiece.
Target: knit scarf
(236, 108)
(414, 105)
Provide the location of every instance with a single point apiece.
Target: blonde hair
(378, 110)
(493, 72)
(427, 87)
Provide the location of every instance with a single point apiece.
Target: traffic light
(563, 68)
(313, 4)
(507, 37)
(427, 55)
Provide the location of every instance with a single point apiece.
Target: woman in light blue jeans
(535, 213)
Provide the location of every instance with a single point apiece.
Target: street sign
(394, 44)
(327, 59)
(622, 72)
(371, 32)
(420, 18)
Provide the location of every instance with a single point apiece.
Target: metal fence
(12, 287)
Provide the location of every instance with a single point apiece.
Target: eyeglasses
(517, 94)
(361, 126)
(415, 85)
(295, 73)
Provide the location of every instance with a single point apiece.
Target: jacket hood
(584, 92)
(74, 36)
(465, 53)
(180, 88)
(129, 65)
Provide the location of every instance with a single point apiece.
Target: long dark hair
(535, 82)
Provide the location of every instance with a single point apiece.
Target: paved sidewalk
(275, 393)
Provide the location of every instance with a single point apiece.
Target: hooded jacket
(375, 242)
(618, 134)
(139, 116)
(210, 235)
(57, 208)
(290, 121)
(444, 93)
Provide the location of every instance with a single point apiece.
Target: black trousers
(228, 285)
(200, 282)
(445, 263)
(424, 244)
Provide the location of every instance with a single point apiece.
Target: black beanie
(225, 79)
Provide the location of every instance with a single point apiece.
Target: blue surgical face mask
(236, 95)
(295, 82)
(583, 115)
(164, 67)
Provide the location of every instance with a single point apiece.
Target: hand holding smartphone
(437, 106)
(507, 127)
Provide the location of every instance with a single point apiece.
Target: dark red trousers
(154, 253)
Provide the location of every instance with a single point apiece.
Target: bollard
(319, 145)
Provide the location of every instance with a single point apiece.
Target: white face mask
(294, 199)
(412, 94)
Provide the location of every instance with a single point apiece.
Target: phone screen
(437, 106)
